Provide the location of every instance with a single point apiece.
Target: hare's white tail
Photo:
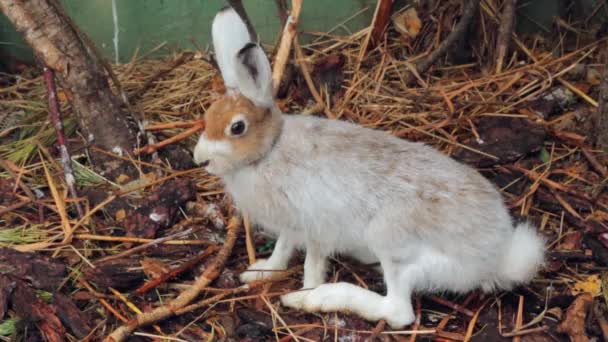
(523, 257)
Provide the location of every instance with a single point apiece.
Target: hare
(334, 187)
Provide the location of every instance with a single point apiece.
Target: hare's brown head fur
(237, 133)
(243, 124)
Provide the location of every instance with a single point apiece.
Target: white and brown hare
(333, 187)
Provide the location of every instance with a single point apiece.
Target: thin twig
(249, 239)
(196, 127)
(176, 271)
(381, 21)
(423, 64)
(170, 309)
(504, 32)
(55, 116)
(289, 32)
(180, 232)
(601, 125)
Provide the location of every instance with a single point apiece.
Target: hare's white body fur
(331, 187)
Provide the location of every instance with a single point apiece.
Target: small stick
(309, 81)
(519, 318)
(383, 16)
(378, 329)
(517, 333)
(451, 305)
(248, 239)
(23, 187)
(601, 169)
(601, 127)
(129, 239)
(103, 302)
(551, 184)
(154, 242)
(423, 64)
(289, 32)
(417, 320)
(176, 271)
(198, 126)
(171, 125)
(214, 299)
(15, 206)
(55, 116)
(131, 306)
(171, 308)
(282, 11)
(504, 32)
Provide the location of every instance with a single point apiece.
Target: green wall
(145, 24)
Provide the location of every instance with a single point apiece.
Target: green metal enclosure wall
(145, 24)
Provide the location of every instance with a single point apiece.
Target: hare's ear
(254, 74)
(229, 34)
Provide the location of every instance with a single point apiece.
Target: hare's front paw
(259, 270)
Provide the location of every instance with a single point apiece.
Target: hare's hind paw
(295, 300)
(348, 298)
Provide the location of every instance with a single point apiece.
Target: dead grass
(560, 187)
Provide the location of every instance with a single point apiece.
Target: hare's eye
(237, 128)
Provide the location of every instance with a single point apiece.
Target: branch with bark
(55, 116)
(289, 32)
(57, 44)
(504, 32)
(186, 297)
(601, 126)
(423, 64)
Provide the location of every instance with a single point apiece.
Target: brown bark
(383, 16)
(59, 47)
(601, 126)
(504, 32)
(468, 12)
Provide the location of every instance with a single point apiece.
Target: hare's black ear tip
(246, 48)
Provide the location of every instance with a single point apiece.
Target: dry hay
(547, 172)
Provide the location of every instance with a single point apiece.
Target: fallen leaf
(591, 285)
(572, 241)
(61, 96)
(39, 270)
(120, 215)
(407, 22)
(506, 138)
(122, 179)
(121, 274)
(574, 321)
(154, 268)
(593, 76)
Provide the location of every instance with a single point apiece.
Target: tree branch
(426, 62)
(504, 32)
(186, 297)
(289, 32)
(601, 126)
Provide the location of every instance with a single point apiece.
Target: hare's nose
(204, 163)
